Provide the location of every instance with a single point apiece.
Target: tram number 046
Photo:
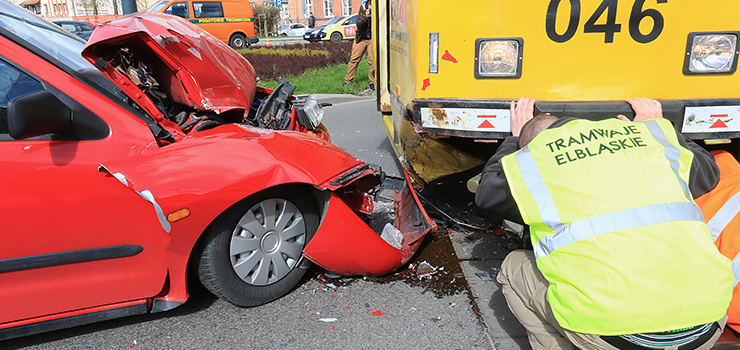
(610, 26)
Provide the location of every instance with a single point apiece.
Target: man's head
(535, 126)
(311, 13)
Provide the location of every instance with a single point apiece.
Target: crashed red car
(117, 185)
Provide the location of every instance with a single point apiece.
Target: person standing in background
(362, 42)
(311, 20)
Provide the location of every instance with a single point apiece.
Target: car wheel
(250, 255)
(283, 34)
(336, 37)
(238, 41)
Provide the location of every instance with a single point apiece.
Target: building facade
(94, 11)
(298, 11)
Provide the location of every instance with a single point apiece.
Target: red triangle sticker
(718, 124)
(486, 124)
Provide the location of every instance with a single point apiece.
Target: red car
(116, 185)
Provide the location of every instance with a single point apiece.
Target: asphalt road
(364, 313)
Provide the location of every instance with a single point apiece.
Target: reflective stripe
(536, 185)
(672, 153)
(724, 215)
(736, 269)
(609, 222)
(617, 221)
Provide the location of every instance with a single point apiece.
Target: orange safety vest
(721, 207)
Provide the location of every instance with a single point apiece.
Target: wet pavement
(464, 255)
(479, 246)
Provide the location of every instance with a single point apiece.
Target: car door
(350, 27)
(73, 237)
(297, 29)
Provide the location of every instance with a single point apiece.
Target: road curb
(336, 99)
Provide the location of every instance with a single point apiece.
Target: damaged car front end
(182, 165)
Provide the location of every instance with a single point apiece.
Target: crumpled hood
(194, 67)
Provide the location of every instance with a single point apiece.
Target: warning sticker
(711, 119)
(468, 119)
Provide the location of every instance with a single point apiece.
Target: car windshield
(61, 45)
(333, 20)
(48, 37)
(158, 6)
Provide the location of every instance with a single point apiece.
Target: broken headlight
(309, 112)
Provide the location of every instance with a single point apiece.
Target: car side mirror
(37, 113)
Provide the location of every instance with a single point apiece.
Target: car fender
(211, 170)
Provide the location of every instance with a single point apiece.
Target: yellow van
(232, 21)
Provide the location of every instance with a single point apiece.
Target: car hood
(193, 67)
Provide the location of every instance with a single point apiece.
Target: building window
(307, 7)
(328, 9)
(346, 7)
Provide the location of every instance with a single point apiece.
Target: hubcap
(267, 242)
(270, 242)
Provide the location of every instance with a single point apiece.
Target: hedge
(278, 61)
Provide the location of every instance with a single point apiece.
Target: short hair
(534, 127)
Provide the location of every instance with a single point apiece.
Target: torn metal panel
(145, 194)
(347, 245)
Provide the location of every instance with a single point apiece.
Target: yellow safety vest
(615, 229)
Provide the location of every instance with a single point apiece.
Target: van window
(178, 9)
(208, 9)
(158, 6)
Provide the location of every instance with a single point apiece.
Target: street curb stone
(339, 98)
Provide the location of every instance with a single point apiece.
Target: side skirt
(61, 321)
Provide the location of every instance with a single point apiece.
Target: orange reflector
(178, 215)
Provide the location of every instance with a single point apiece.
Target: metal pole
(129, 6)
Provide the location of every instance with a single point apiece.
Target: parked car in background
(343, 29)
(295, 29)
(231, 21)
(79, 28)
(318, 33)
(154, 156)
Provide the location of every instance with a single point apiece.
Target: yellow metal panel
(584, 68)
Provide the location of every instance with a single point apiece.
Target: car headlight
(708, 53)
(309, 112)
(498, 58)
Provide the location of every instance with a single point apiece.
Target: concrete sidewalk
(336, 99)
(480, 256)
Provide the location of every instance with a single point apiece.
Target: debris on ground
(485, 276)
(328, 320)
(425, 270)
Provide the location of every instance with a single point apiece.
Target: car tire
(336, 37)
(238, 41)
(284, 35)
(245, 257)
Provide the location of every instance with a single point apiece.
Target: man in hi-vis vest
(622, 258)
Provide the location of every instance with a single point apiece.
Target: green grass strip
(327, 80)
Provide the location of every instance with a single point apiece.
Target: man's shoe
(372, 87)
(346, 84)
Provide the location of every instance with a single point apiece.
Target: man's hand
(645, 109)
(521, 113)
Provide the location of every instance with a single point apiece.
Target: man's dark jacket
(494, 194)
(363, 26)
